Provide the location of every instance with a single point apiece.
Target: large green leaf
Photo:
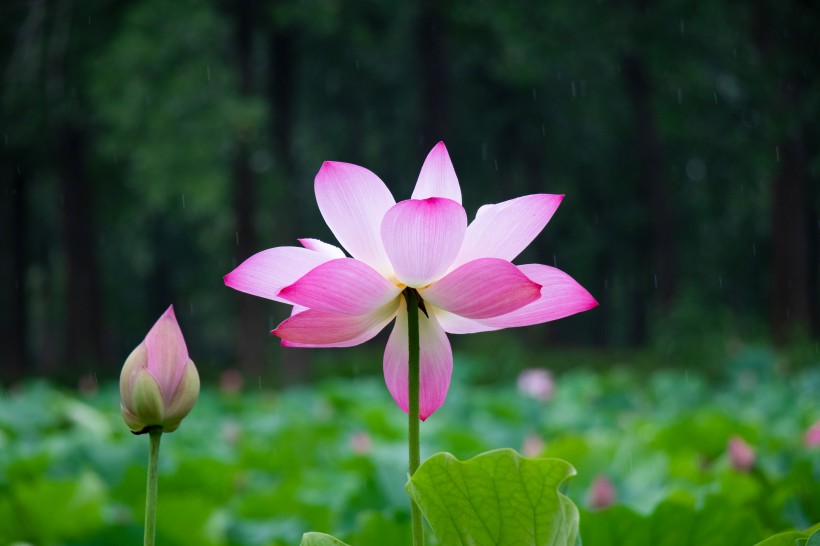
(320, 539)
(498, 498)
(794, 538)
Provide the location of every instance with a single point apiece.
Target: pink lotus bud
(159, 384)
(536, 383)
(812, 436)
(601, 493)
(741, 454)
(533, 446)
(231, 381)
(361, 443)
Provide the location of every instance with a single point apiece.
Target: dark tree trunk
(83, 344)
(434, 84)
(295, 363)
(661, 274)
(17, 334)
(251, 322)
(791, 304)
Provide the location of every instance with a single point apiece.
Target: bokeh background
(148, 147)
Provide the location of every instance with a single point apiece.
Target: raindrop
(260, 382)
(720, 281)
(7, 138)
(754, 249)
(483, 151)
(209, 72)
(357, 64)
(682, 27)
(715, 97)
(656, 279)
(555, 260)
(543, 130)
(680, 96)
(18, 170)
(237, 238)
(183, 200)
(574, 93)
(496, 163)
(89, 19)
(777, 153)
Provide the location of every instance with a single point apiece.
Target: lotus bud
(159, 384)
(741, 454)
(601, 493)
(812, 436)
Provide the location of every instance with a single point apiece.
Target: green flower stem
(413, 413)
(155, 433)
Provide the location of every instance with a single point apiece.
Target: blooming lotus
(462, 275)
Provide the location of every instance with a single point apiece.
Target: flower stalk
(155, 433)
(413, 413)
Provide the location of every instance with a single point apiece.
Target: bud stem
(413, 413)
(155, 433)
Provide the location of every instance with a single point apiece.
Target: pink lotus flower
(812, 436)
(741, 454)
(602, 493)
(536, 383)
(462, 274)
(159, 383)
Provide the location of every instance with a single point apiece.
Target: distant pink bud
(533, 446)
(231, 381)
(536, 383)
(231, 432)
(87, 385)
(741, 454)
(812, 436)
(601, 493)
(361, 443)
(159, 384)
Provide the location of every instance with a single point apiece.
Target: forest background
(148, 147)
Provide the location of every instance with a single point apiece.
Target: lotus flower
(741, 455)
(462, 274)
(159, 383)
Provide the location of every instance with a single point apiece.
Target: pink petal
(505, 229)
(435, 363)
(560, 297)
(167, 353)
(265, 273)
(322, 247)
(455, 324)
(344, 285)
(353, 201)
(422, 238)
(437, 177)
(324, 329)
(483, 288)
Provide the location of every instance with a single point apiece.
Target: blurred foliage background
(148, 147)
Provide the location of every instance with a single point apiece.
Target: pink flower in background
(812, 436)
(601, 493)
(361, 443)
(533, 446)
(536, 383)
(741, 454)
(462, 273)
